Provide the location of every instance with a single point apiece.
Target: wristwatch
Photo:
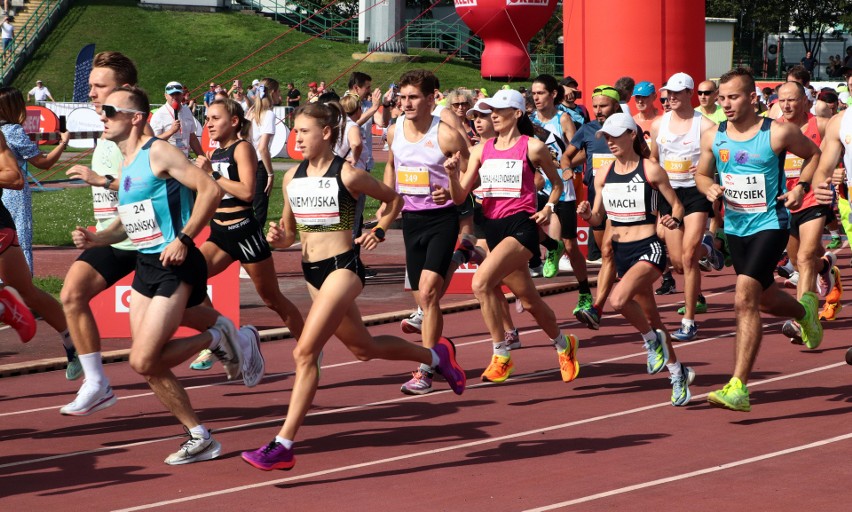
(806, 187)
(109, 179)
(186, 239)
(216, 175)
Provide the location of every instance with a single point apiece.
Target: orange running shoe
(499, 369)
(837, 290)
(569, 367)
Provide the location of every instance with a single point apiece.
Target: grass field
(195, 47)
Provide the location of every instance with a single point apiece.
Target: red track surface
(608, 441)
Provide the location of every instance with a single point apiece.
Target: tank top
(629, 199)
(679, 153)
(753, 176)
(846, 139)
(107, 159)
(321, 203)
(419, 166)
(793, 164)
(507, 180)
(556, 147)
(153, 210)
(224, 163)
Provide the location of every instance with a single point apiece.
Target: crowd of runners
(739, 181)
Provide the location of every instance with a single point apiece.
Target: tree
(812, 18)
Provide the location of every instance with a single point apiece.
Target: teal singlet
(153, 210)
(753, 176)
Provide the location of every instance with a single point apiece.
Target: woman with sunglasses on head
(319, 203)
(628, 193)
(505, 166)
(235, 234)
(460, 102)
(17, 227)
(263, 126)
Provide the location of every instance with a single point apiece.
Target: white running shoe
(413, 324)
(195, 449)
(253, 364)
(228, 351)
(89, 399)
(825, 282)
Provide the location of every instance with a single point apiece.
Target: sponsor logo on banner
(465, 3)
(538, 3)
(122, 297)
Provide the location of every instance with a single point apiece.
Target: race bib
(314, 201)
(601, 162)
(624, 202)
(745, 193)
(140, 223)
(500, 177)
(413, 181)
(105, 203)
(679, 169)
(793, 166)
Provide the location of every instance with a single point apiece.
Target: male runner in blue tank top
(157, 212)
(748, 153)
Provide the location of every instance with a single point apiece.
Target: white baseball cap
(616, 124)
(505, 98)
(480, 107)
(255, 81)
(679, 82)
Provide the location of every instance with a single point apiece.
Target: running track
(608, 441)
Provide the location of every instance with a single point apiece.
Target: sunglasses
(664, 99)
(602, 89)
(705, 93)
(460, 104)
(110, 111)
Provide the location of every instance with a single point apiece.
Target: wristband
(379, 233)
(552, 207)
(679, 222)
(186, 239)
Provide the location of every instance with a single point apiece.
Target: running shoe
(569, 367)
(784, 268)
(448, 366)
(16, 314)
(705, 265)
(253, 366)
(714, 256)
(829, 311)
(811, 326)
(536, 271)
(74, 370)
(792, 330)
(204, 361)
(733, 396)
(585, 301)
(420, 383)
(686, 333)
(825, 281)
(89, 399)
(228, 351)
(370, 273)
(590, 317)
(499, 370)
(658, 353)
(551, 261)
(836, 293)
(668, 286)
(196, 449)
(513, 340)
(700, 306)
(413, 324)
(835, 243)
(477, 255)
(680, 386)
(272, 456)
(793, 281)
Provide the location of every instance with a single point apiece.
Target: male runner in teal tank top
(748, 152)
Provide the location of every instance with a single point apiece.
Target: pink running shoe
(16, 314)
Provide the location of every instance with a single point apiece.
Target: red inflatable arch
(649, 40)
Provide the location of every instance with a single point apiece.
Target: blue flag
(81, 72)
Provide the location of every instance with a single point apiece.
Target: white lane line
(700, 472)
(348, 363)
(460, 446)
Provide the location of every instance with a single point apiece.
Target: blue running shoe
(686, 333)
(714, 256)
(680, 386)
(658, 353)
